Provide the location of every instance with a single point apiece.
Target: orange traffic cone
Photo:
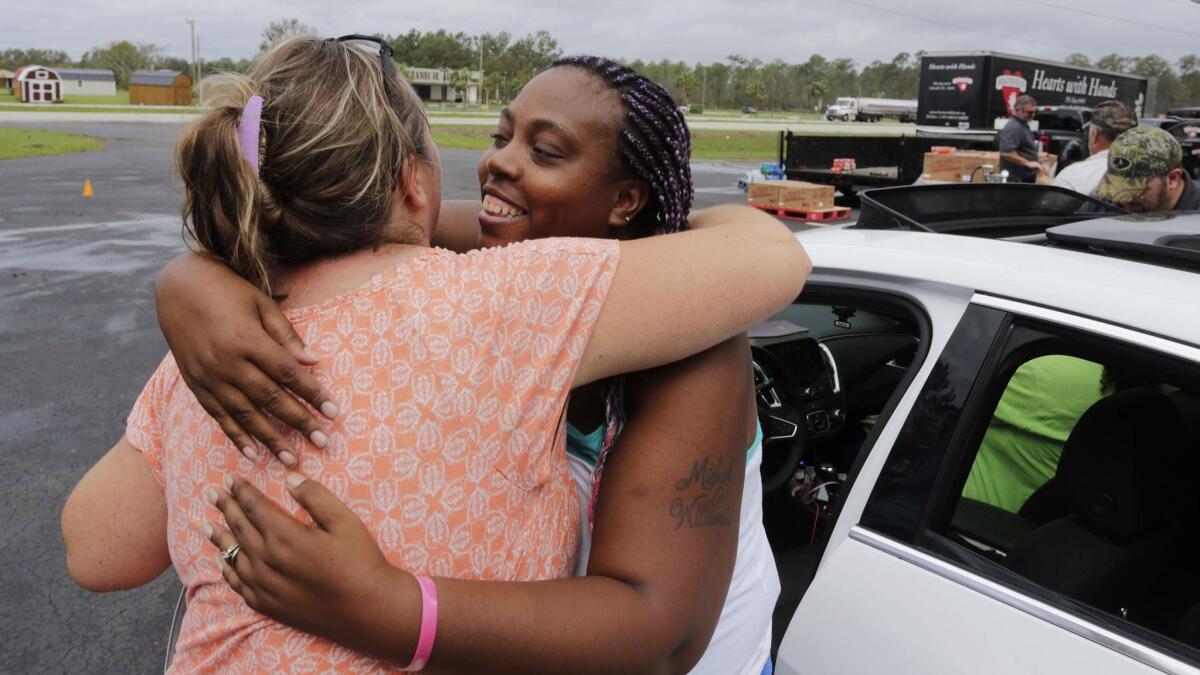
(87, 189)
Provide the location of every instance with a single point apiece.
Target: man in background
(1018, 147)
(1145, 173)
(1109, 120)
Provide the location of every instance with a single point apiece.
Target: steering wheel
(783, 425)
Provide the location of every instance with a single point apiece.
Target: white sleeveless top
(741, 643)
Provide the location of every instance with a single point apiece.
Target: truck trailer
(862, 109)
(976, 90)
(964, 98)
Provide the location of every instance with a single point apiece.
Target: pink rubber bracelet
(429, 618)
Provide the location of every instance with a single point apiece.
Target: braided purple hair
(655, 143)
(655, 147)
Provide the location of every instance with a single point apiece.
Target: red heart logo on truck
(1011, 85)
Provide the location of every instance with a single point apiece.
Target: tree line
(122, 57)
(508, 62)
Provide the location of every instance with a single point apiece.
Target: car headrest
(1189, 407)
(1125, 465)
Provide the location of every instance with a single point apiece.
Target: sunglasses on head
(385, 59)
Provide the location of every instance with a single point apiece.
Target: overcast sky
(699, 30)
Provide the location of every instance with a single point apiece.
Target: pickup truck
(1063, 132)
(1187, 132)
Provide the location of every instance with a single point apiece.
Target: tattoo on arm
(702, 498)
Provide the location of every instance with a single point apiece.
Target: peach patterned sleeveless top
(452, 372)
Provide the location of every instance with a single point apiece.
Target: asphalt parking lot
(78, 339)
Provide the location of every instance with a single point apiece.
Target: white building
(87, 81)
(437, 84)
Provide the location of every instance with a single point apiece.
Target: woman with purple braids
(673, 582)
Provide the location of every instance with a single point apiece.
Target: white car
(878, 388)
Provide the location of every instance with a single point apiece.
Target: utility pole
(196, 64)
(199, 70)
(704, 87)
(481, 88)
(195, 75)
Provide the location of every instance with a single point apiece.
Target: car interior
(825, 370)
(1108, 529)
(1113, 526)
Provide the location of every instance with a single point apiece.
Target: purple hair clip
(248, 130)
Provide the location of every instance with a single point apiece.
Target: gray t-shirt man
(1017, 137)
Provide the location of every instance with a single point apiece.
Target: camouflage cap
(1112, 118)
(1134, 158)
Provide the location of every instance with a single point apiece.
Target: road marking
(145, 219)
(123, 246)
(727, 190)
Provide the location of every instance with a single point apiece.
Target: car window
(1059, 121)
(1039, 408)
(899, 498)
(1073, 468)
(1186, 131)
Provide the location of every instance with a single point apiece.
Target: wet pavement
(78, 339)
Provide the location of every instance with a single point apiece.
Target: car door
(900, 590)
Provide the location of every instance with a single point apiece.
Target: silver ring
(230, 554)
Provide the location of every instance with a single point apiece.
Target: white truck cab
(844, 109)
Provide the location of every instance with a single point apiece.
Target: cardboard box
(1049, 161)
(959, 164)
(938, 162)
(793, 195)
(763, 193)
(796, 195)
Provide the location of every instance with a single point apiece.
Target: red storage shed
(38, 84)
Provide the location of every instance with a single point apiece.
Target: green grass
(722, 144)
(706, 144)
(131, 109)
(17, 143)
(462, 136)
(120, 98)
(762, 114)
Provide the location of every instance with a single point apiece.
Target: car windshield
(1186, 130)
(844, 101)
(1059, 120)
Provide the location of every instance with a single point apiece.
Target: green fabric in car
(1039, 408)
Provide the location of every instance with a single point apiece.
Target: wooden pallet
(813, 216)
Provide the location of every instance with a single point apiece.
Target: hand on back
(672, 296)
(239, 355)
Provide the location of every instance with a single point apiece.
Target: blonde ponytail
(223, 205)
(332, 147)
